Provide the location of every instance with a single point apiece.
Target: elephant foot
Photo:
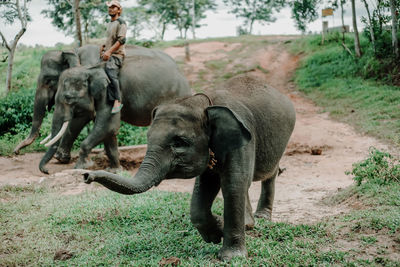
(63, 158)
(227, 253)
(84, 164)
(249, 221)
(212, 232)
(264, 213)
(114, 170)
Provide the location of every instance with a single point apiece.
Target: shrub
(16, 111)
(131, 135)
(379, 168)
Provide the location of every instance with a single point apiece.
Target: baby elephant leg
(265, 203)
(205, 190)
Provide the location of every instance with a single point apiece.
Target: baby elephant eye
(180, 142)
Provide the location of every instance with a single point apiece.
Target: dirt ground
(318, 154)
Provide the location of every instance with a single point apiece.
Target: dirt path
(308, 178)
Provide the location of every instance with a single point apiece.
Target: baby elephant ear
(228, 132)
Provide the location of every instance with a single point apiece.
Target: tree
(136, 18)
(181, 13)
(356, 36)
(11, 11)
(304, 12)
(254, 10)
(69, 16)
(395, 41)
(161, 10)
(370, 25)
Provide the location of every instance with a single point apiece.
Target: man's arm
(106, 56)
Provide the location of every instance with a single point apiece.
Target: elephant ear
(98, 82)
(70, 59)
(227, 130)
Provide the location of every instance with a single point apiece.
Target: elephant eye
(179, 141)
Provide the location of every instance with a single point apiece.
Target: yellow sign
(327, 12)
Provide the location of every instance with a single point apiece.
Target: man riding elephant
(113, 52)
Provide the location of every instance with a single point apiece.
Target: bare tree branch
(5, 41)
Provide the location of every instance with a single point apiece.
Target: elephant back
(148, 78)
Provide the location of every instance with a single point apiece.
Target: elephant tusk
(59, 135)
(45, 140)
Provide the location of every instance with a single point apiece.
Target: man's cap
(113, 3)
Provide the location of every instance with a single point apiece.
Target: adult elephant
(246, 125)
(53, 63)
(147, 78)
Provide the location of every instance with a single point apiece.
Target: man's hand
(106, 56)
(102, 50)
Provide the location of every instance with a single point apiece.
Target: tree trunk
(357, 46)
(9, 70)
(187, 51)
(371, 27)
(194, 19)
(395, 41)
(77, 14)
(164, 27)
(251, 26)
(22, 15)
(342, 14)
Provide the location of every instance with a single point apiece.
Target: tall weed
(379, 168)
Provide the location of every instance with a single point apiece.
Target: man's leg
(114, 95)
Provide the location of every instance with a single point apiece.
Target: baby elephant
(227, 138)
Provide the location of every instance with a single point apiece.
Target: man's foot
(116, 109)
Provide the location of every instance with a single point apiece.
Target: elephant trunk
(150, 173)
(58, 128)
(38, 114)
(46, 158)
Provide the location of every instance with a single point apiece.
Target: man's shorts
(114, 63)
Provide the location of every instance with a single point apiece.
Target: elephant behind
(226, 138)
(147, 78)
(53, 63)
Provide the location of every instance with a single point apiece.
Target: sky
(219, 23)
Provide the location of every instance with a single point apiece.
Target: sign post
(325, 13)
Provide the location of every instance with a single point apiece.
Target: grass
(40, 227)
(105, 228)
(336, 81)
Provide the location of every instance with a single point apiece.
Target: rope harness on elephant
(209, 99)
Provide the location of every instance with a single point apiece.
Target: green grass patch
(105, 228)
(42, 227)
(348, 88)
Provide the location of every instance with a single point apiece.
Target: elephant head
(52, 65)
(179, 143)
(79, 91)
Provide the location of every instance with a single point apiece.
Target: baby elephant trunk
(145, 179)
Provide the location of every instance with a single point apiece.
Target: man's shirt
(116, 31)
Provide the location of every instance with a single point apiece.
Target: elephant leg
(205, 190)
(75, 126)
(235, 198)
(248, 219)
(104, 127)
(264, 207)
(111, 148)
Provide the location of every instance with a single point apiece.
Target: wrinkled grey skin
(53, 63)
(247, 127)
(147, 78)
